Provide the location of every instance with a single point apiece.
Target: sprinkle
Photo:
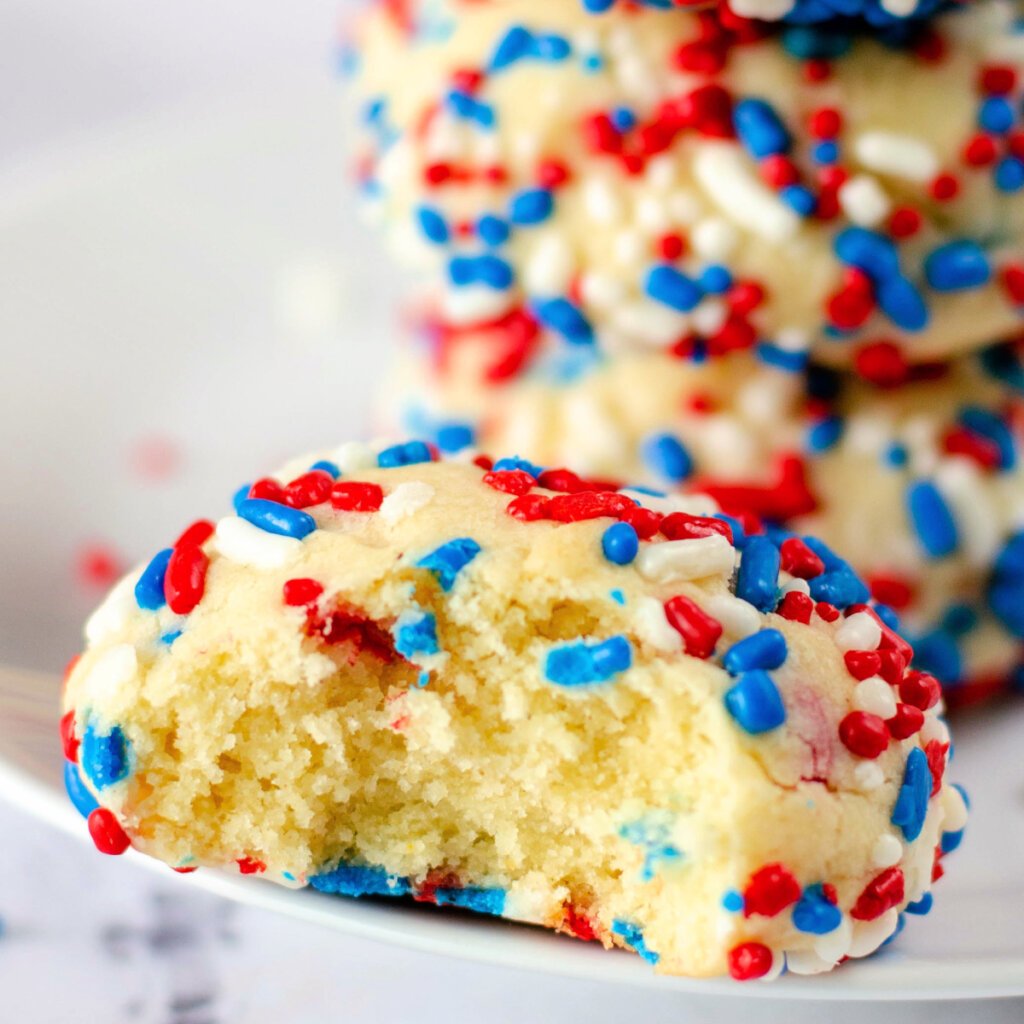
(899, 155)
(754, 702)
(415, 634)
(405, 500)
(884, 892)
(665, 455)
(433, 225)
(564, 318)
(700, 632)
(814, 914)
(277, 519)
(750, 960)
(799, 560)
(760, 129)
(185, 581)
(920, 690)
(326, 466)
(106, 832)
(517, 464)
(620, 543)
(757, 581)
(531, 206)
(78, 793)
(105, 757)
(863, 734)
(672, 288)
(957, 266)
(360, 880)
(633, 936)
(582, 663)
(932, 519)
(149, 590)
(241, 542)
(448, 560)
(477, 898)
(887, 851)
(409, 454)
(770, 890)
(679, 560)
(874, 696)
(859, 632)
(912, 802)
(352, 496)
(765, 649)
(300, 593)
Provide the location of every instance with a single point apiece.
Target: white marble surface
(89, 938)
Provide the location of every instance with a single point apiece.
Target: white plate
(202, 281)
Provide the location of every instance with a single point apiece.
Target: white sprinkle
(404, 500)
(708, 317)
(792, 339)
(726, 175)
(869, 935)
(114, 669)
(807, 961)
(900, 8)
(955, 810)
(713, 238)
(600, 201)
(651, 213)
(472, 303)
(691, 504)
(887, 851)
(739, 618)
(684, 208)
(836, 944)
(239, 541)
(867, 775)
(900, 155)
(864, 200)
(353, 456)
(549, 266)
(660, 173)
(601, 290)
(649, 322)
(767, 10)
(113, 614)
(964, 486)
(628, 247)
(676, 560)
(933, 729)
(875, 696)
(859, 632)
(652, 626)
(796, 586)
(777, 967)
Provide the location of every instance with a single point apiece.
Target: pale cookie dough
(538, 162)
(457, 684)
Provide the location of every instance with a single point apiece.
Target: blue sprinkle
(288, 876)
(957, 266)
(739, 535)
(784, 359)
(814, 914)
(912, 801)
(937, 652)
(416, 635)
(453, 437)
(840, 587)
(470, 109)
(582, 663)
(423, 678)
(666, 456)
(515, 463)
(620, 543)
(1006, 590)
(959, 619)
(598, 6)
(149, 591)
(492, 230)
(622, 119)
(931, 519)
(901, 302)
(105, 756)
(592, 63)
(715, 279)
(993, 428)
(551, 47)
(514, 45)
(326, 466)
(869, 251)
(888, 617)
(672, 288)
(79, 795)
(896, 456)
(758, 577)
(633, 935)
(447, 561)
(831, 560)
(169, 637)
(901, 923)
(951, 840)
(531, 206)
(360, 880)
(481, 900)
(765, 649)
(921, 906)
(433, 225)
(409, 454)
(240, 495)
(826, 152)
(564, 318)
(825, 434)
(755, 703)
(996, 115)
(485, 269)
(799, 198)
(1009, 174)
(617, 596)
(759, 128)
(276, 518)
(732, 901)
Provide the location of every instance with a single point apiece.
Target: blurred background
(186, 298)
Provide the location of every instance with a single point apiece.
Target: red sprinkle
(778, 171)
(799, 560)
(891, 666)
(750, 960)
(907, 721)
(187, 870)
(825, 123)
(250, 866)
(185, 580)
(920, 690)
(576, 924)
(961, 441)
(196, 535)
(849, 307)
(681, 526)
(268, 490)
(894, 591)
(573, 508)
(745, 296)
(1013, 282)
(299, 593)
(826, 611)
(796, 607)
(881, 363)
(312, 488)
(351, 496)
(882, 893)
(904, 222)
(863, 734)
(528, 507)
(68, 739)
(862, 664)
(997, 79)
(106, 832)
(980, 151)
(552, 173)
(645, 521)
(770, 890)
(671, 246)
(936, 752)
(944, 187)
(511, 481)
(700, 632)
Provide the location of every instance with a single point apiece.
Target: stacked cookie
(779, 262)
